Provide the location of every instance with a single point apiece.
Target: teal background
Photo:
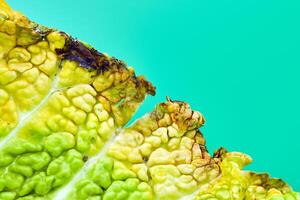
(236, 61)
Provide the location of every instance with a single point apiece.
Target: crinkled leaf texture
(63, 108)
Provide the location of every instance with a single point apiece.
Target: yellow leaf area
(64, 107)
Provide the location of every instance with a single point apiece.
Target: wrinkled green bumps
(36, 161)
(130, 189)
(111, 180)
(57, 143)
(40, 183)
(20, 146)
(84, 139)
(88, 188)
(7, 195)
(101, 172)
(32, 197)
(21, 169)
(5, 159)
(64, 167)
(12, 181)
(24, 164)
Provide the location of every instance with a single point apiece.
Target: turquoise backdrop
(236, 61)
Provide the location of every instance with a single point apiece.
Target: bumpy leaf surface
(63, 108)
